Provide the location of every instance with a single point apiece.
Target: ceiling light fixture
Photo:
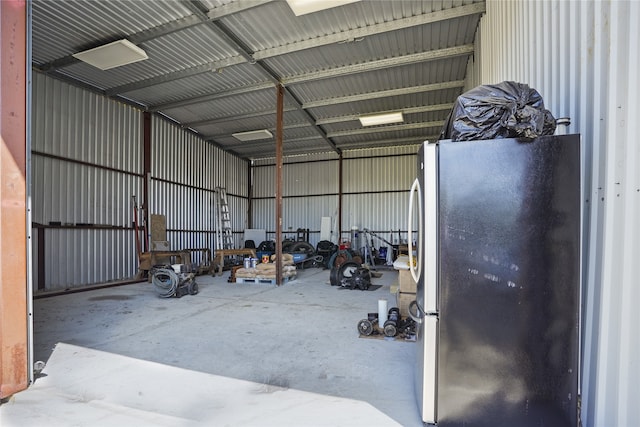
(111, 55)
(381, 119)
(302, 7)
(252, 135)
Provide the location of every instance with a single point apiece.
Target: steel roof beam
(378, 129)
(177, 75)
(409, 110)
(321, 103)
(431, 55)
(390, 142)
(237, 117)
(384, 94)
(213, 97)
(357, 33)
(320, 122)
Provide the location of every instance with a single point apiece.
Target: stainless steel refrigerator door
(509, 282)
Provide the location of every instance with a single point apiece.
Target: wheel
(302, 247)
(266, 246)
(286, 244)
(348, 269)
(333, 277)
(347, 273)
(193, 287)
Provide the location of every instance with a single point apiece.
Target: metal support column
(339, 199)
(146, 156)
(279, 128)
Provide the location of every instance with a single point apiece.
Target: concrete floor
(228, 341)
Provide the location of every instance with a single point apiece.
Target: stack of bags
(268, 270)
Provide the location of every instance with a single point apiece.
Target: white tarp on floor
(85, 387)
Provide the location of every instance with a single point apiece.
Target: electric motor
(365, 327)
(391, 325)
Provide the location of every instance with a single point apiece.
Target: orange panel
(13, 215)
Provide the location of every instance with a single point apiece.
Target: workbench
(151, 258)
(218, 259)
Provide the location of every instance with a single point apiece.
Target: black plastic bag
(504, 110)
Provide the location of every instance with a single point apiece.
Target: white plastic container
(382, 312)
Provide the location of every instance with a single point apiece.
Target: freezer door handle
(416, 271)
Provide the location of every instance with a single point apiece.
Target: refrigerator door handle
(416, 271)
(416, 312)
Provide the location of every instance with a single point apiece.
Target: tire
(193, 288)
(346, 271)
(333, 277)
(286, 245)
(302, 247)
(348, 268)
(266, 246)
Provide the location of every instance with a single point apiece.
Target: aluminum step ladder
(224, 237)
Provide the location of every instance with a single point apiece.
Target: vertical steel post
(279, 128)
(339, 199)
(250, 195)
(146, 162)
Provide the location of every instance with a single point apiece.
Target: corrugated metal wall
(583, 58)
(87, 163)
(185, 172)
(375, 192)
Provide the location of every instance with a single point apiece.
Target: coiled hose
(166, 282)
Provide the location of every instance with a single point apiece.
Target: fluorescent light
(302, 7)
(115, 54)
(381, 119)
(252, 135)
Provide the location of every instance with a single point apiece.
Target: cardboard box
(406, 282)
(403, 299)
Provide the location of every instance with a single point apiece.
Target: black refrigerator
(498, 270)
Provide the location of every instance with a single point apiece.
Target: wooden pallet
(257, 281)
(381, 336)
